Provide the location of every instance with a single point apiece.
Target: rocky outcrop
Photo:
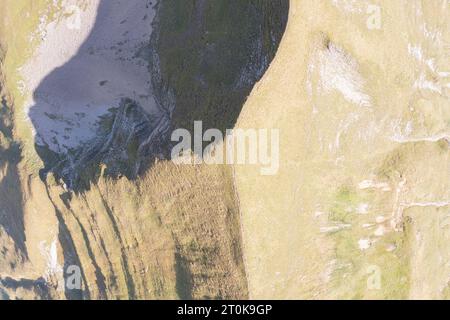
(111, 219)
(127, 141)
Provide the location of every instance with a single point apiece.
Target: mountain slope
(359, 208)
(93, 192)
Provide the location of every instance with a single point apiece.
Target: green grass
(349, 279)
(204, 50)
(20, 20)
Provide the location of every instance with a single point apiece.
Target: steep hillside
(84, 184)
(212, 53)
(358, 206)
(359, 92)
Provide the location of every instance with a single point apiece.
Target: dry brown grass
(329, 144)
(173, 233)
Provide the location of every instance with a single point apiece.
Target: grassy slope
(173, 233)
(23, 16)
(205, 46)
(288, 251)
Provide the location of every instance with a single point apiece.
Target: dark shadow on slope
(204, 57)
(11, 212)
(124, 137)
(38, 287)
(183, 278)
(213, 52)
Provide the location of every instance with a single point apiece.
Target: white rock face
(338, 71)
(88, 60)
(364, 244)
